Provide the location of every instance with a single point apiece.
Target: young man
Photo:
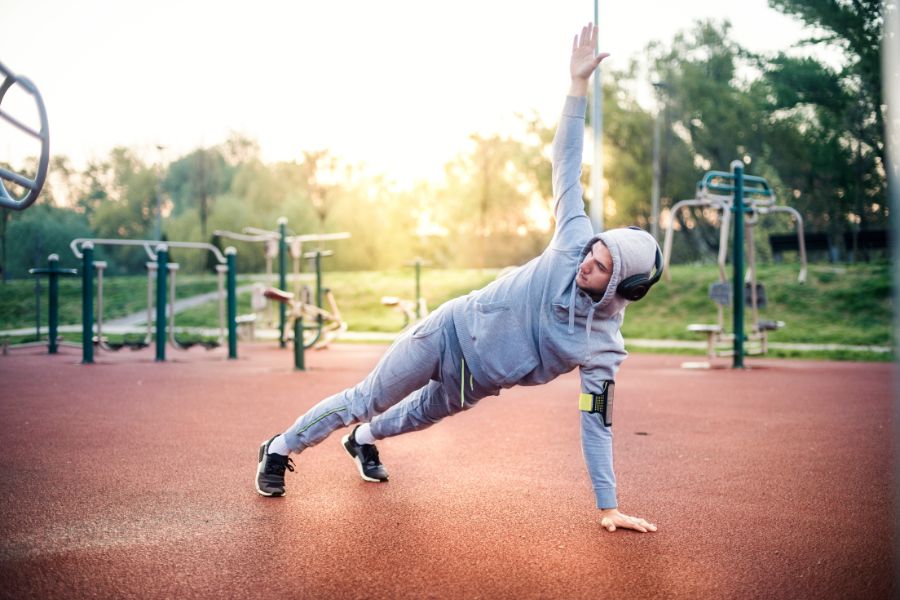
(560, 311)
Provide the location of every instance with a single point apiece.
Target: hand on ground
(612, 519)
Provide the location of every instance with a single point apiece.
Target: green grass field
(839, 304)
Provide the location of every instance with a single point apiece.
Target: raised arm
(572, 224)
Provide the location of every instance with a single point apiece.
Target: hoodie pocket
(505, 347)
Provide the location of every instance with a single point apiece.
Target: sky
(395, 85)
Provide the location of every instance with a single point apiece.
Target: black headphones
(636, 287)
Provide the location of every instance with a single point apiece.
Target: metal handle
(34, 186)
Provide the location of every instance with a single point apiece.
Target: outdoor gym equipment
(413, 311)
(278, 243)
(83, 248)
(100, 340)
(53, 273)
(327, 324)
(221, 271)
(33, 186)
(746, 197)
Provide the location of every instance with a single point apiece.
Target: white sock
(278, 446)
(363, 434)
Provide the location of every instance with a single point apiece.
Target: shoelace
(277, 463)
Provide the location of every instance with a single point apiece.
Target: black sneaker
(366, 458)
(270, 472)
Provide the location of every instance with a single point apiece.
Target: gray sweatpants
(421, 379)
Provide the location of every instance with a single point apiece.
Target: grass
(359, 294)
(847, 304)
(838, 304)
(122, 296)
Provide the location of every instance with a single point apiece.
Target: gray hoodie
(535, 324)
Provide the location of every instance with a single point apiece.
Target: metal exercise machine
(34, 186)
(746, 197)
(278, 245)
(158, 253)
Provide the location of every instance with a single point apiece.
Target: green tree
(42, 230)
(128, 208)
(840, 110)
(195, 181)
(713, 115)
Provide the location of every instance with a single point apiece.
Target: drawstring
(462, 382)
(587, 330)
(590, 321)
(572, 308)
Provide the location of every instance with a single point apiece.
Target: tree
(129, 207)
(842, 107)
(713, 115)
(42, 230)
(196, 180)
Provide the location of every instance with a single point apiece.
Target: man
(560, 311)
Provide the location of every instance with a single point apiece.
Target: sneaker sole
(358, 463)
(262, 450)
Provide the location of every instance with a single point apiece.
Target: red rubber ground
(132, 479)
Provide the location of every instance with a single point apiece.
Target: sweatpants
(421, 379)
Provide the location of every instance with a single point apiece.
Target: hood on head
(633, 252)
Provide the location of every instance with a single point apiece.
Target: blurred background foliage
(813, 129)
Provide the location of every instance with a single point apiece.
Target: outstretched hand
(583, 61)
(612, 519)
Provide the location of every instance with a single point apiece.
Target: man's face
(595, 270)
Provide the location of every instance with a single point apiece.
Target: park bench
(867, 243)
(815, 242)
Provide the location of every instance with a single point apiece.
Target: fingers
(638, 524)
(626, 522)
(588, 38)
(588, 41)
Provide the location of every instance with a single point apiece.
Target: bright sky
(398, 85)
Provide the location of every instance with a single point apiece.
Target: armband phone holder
(600, 403)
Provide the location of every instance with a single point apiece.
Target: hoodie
(534, 324)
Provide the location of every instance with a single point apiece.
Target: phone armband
(600, 403)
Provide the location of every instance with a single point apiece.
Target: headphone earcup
(634, 288)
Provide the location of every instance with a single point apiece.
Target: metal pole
(231, 257)
(319, 319)
(159, 194)
(318, 263)
(654, 194)
(597, 207)
(659, 87)
(37, 308)
(53, 317)
(221, 271)
(162, 262)
(282, 278)
(151, 275)
(299, 359)
(87, 304)
(890, 69)
(100, 267)
(737, 170)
